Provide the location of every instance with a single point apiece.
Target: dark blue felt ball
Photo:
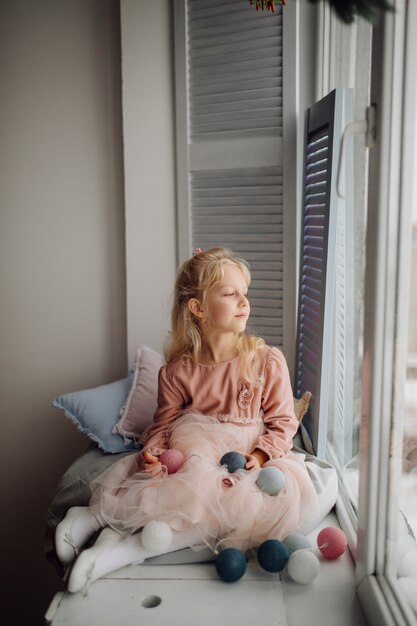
(273, 555)
(231, 564)
(233, 461)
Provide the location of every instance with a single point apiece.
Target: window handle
(366, 127)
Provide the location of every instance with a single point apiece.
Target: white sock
(110, 553)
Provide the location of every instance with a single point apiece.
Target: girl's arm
(170, 403)
(278, 408)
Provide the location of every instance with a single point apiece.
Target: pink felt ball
(331, 542)
(172, 459)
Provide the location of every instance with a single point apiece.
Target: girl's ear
(195, 307)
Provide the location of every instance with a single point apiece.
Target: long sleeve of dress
(278, 409)
(170, 404)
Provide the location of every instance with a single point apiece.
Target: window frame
(395, 91)
(389, 217)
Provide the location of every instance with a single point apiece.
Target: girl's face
(227, 305)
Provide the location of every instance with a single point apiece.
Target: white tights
(112, 551)
(84, 525)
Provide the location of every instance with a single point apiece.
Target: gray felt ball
(296, 541)
(271, 480)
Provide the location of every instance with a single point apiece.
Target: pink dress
(206, 411)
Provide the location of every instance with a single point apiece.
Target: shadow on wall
(62, 267)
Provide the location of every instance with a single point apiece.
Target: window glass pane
(401, 545)
(347, 333)
(409, 480)
(402, 532)
(345, 372)
(350, 50)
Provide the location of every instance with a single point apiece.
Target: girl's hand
(252, 462)
(149, 463)
(256, 459)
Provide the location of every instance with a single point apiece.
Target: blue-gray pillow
(95, 412)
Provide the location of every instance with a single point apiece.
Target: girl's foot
(73, 531)
(112, 551)
(85, 571)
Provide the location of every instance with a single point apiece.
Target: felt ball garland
(303, 566)
(233, 461)
(331, 542)
(272, 555)
(231, 564)
(156, 536)
(172, 459)
(271, 480)
(294, 554)
(296, 541)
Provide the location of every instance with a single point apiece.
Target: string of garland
(266, 5)
(346, 10)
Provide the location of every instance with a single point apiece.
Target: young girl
(221, 390)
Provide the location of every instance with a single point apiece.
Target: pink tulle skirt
(229, 510)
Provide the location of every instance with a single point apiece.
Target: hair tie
(198, 251)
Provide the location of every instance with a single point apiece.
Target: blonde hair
(194, 279)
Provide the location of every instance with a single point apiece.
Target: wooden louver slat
(257, 237)
(234, 70)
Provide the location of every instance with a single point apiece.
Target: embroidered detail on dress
(229, 481)
(245, 396)
(265, 447)
(224, 417)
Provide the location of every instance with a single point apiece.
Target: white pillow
(138, 411)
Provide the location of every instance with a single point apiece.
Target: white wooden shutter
(229, 144)
(242, 209)
(315, 357)
(235, 70)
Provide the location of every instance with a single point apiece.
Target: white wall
(62, 273)
(149, 152)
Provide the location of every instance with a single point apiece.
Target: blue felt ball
(271, 480)
(231, 564)
(234, 461)
(297, 542)
(272, 555)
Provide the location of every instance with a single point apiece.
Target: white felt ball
(271, 480)
(303, 566)
(156, 536)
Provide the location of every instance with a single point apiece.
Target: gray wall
(62, 266)
(149, 166)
